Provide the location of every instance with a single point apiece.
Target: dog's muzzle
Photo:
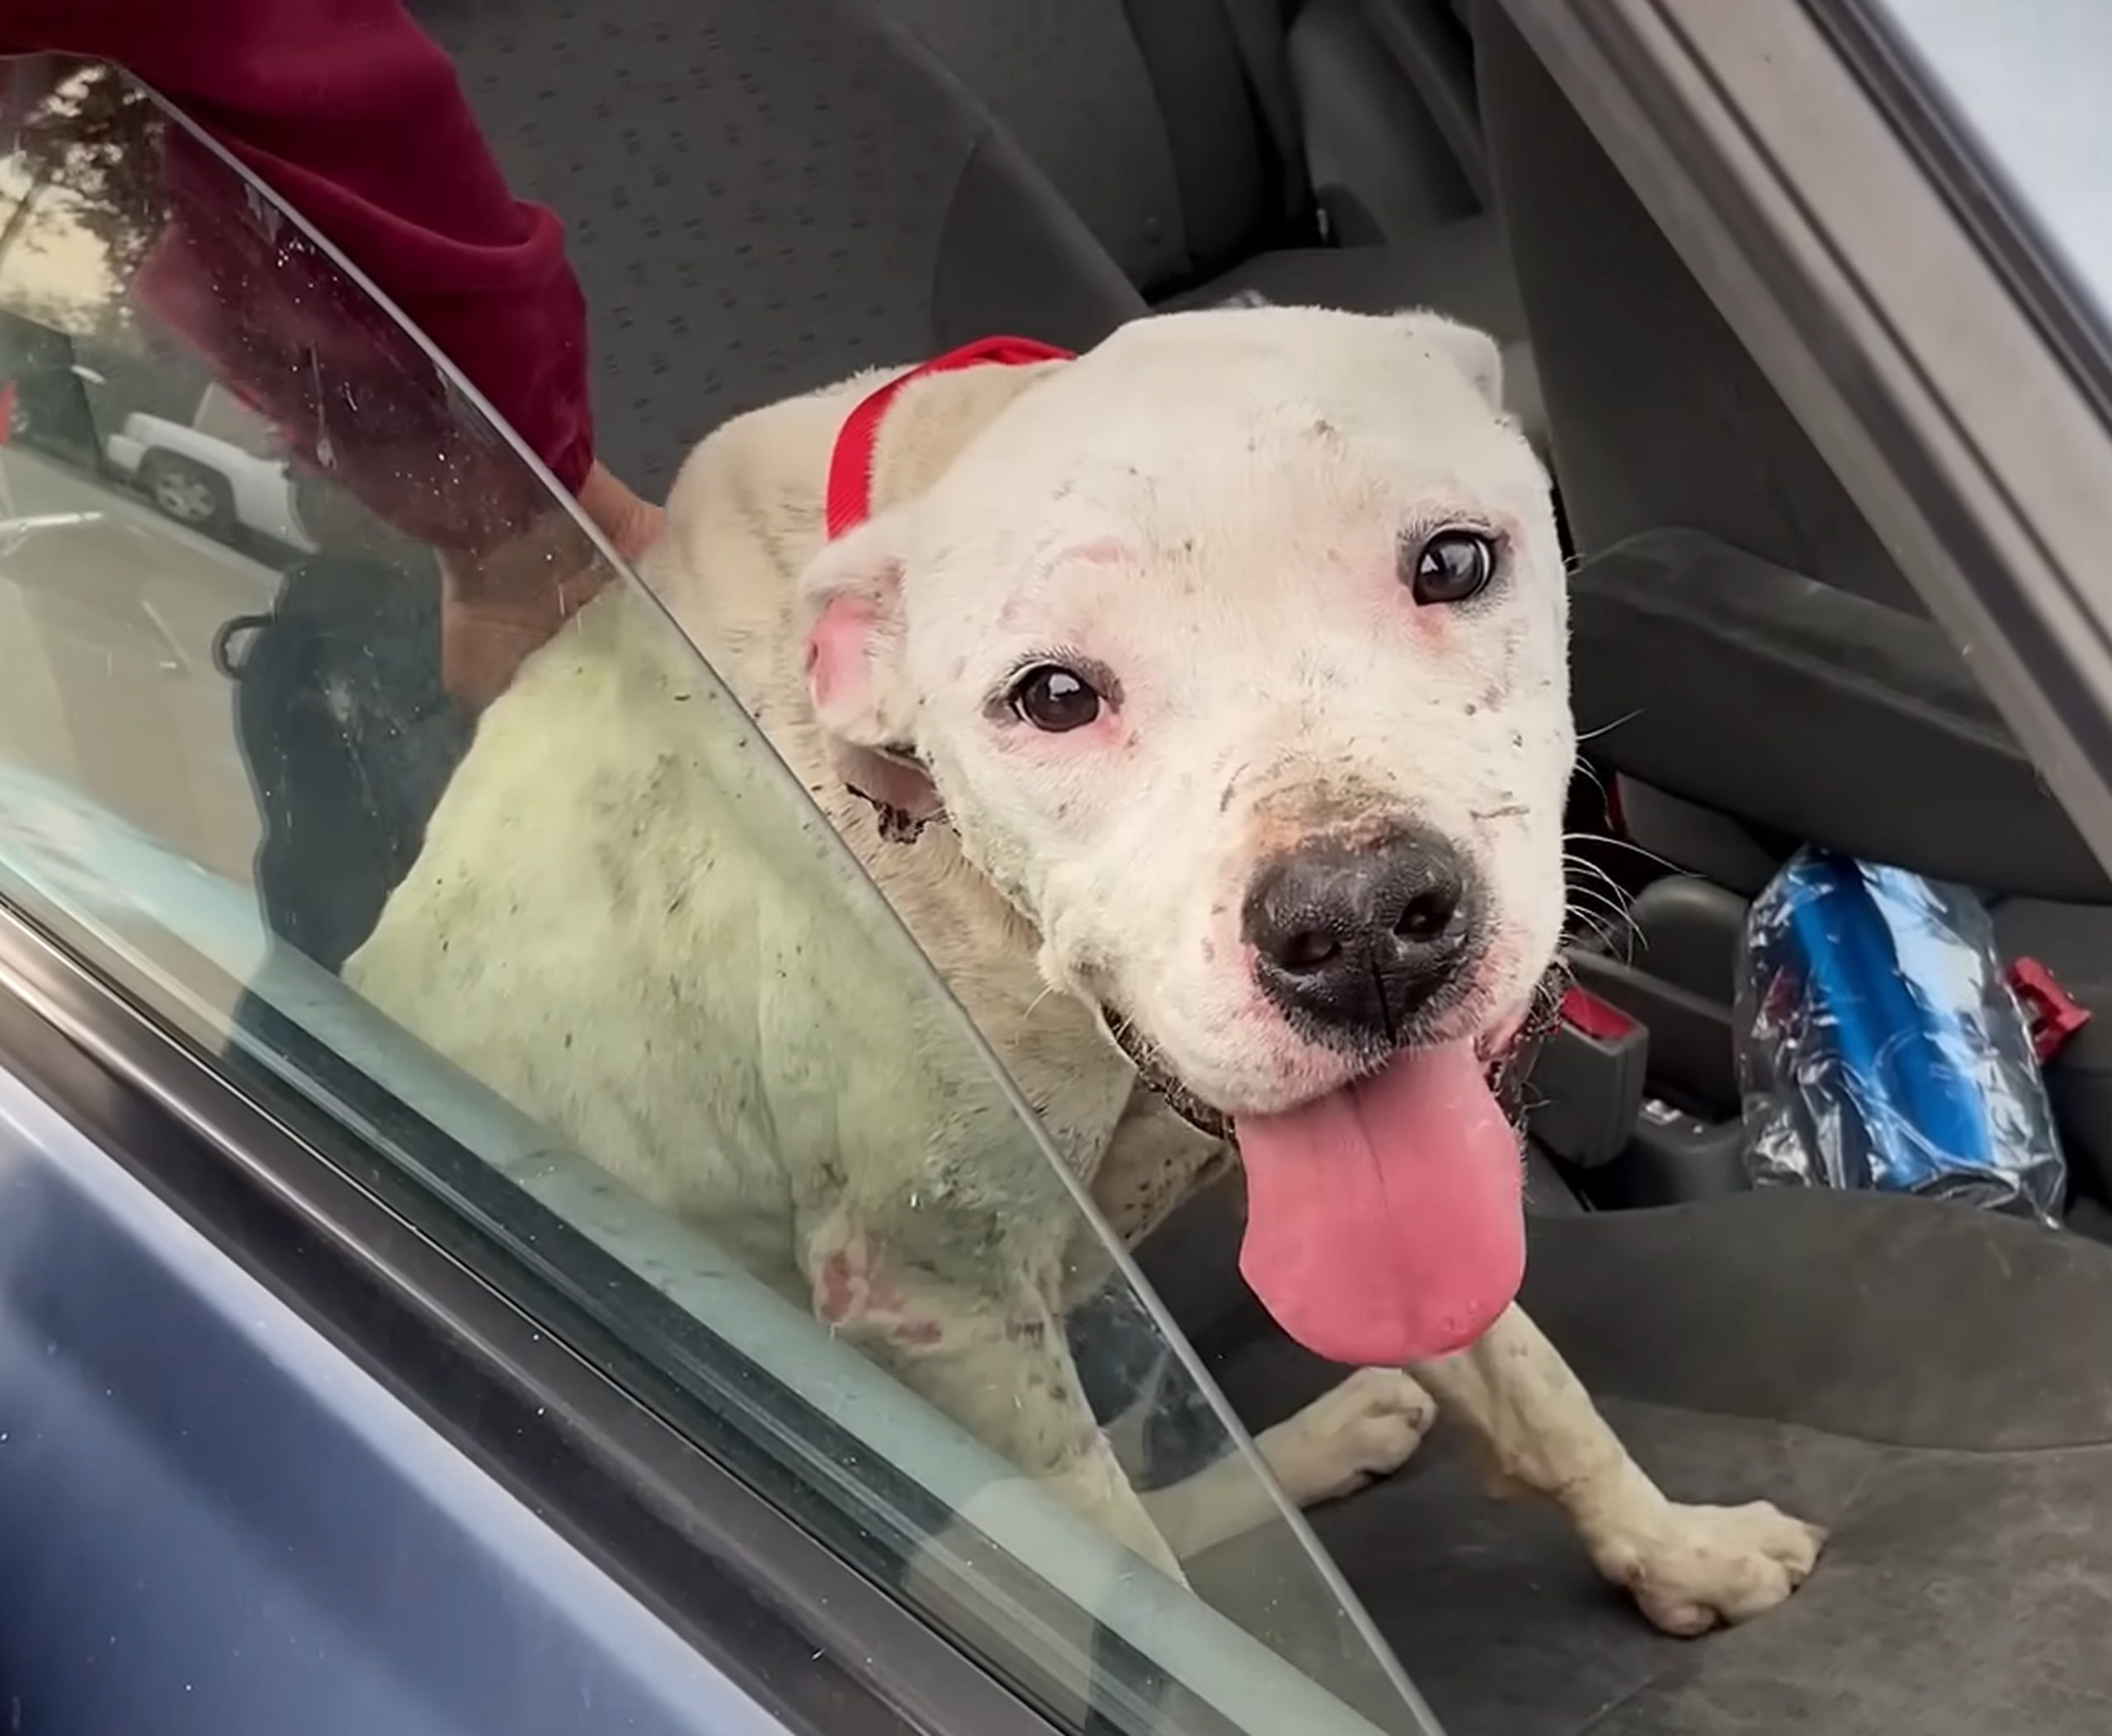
(1508, 1069)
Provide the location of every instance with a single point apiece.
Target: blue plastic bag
(1880, 1046)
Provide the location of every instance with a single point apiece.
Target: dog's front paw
(1692, 1569)
(1354, 1434)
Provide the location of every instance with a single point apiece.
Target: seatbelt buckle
(1588, 1080)
(2050, 1014)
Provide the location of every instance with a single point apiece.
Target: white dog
(1207, 694)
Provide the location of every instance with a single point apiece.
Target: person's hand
(631, 525)
(499, 607)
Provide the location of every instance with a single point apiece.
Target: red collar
(849, 502)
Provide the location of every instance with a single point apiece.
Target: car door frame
(1830, 239)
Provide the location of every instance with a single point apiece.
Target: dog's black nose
(1353, 939)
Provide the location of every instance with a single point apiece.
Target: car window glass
(230, 700)
(225, 417)
(2023, 86)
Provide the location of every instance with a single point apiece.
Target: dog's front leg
(1350, 1436)
(992, 1355)
(1690, 1568)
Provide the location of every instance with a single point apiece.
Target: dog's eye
(1055, 699)
(1451, 566)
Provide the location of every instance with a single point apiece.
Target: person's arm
(355, 118)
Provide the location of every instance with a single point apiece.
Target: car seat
(762, 197)
(764, 194)
(1295, 151)
(1209, 142)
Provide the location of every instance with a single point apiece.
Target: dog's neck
(927, 425)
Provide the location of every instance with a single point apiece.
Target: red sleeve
(355, 117)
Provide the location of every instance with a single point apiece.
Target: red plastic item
(2053, 1016)
(1584, 1012)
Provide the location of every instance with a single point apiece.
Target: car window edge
(646, 1505)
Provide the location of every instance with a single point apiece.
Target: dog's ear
(1473, 352)
(851, 597)
(857, 682)
(857, 678)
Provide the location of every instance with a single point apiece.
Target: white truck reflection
(222, 474)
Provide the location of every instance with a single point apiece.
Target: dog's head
(1234, 653)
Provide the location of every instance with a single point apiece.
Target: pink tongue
(1384, 1223)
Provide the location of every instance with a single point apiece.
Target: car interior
(1752, 673)
(763, 196)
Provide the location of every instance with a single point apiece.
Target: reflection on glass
(261, 563)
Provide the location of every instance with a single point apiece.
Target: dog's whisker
(1598, 877)
(1577, 859)
(1648, 856)
(1579, 875)
(1593, 897)
(1593, 735)
(1615, 930)
(1583, 908)
(1611, 899)
(1610, 931)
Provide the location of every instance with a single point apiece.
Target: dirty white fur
(617, 922)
